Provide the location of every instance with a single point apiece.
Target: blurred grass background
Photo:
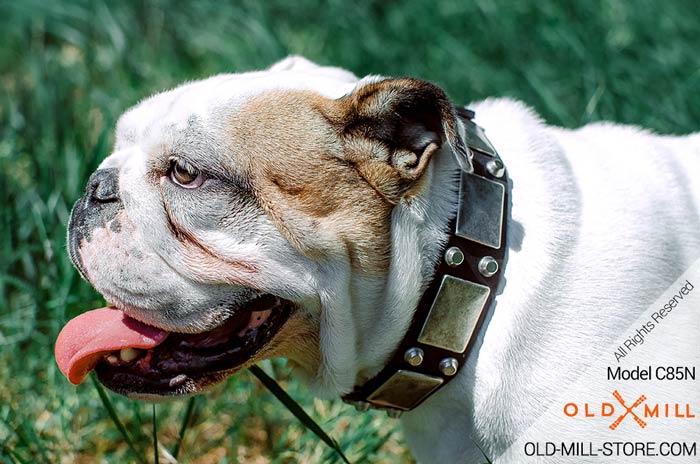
(68, 69)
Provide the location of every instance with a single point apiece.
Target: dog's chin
(187, 363)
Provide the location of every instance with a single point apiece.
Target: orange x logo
(628, 410)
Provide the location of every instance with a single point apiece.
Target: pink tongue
(89, 337)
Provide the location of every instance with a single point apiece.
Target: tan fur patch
(296, 161)
(299, 341)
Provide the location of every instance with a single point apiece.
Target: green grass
(69, 69)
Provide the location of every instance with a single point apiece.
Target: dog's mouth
(139, 360)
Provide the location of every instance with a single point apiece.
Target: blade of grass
(185, 424)
(115, 419)
(295, 409)
(29, 431)
(28, 427)
(30, 445)
(155, 435)
(488, 461)
(12, 455)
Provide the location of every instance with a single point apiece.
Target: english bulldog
(300, 212)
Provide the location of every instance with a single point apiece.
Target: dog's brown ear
(392, 127)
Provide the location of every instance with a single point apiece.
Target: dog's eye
(184, 174)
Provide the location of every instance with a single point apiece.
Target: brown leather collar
(452, 309)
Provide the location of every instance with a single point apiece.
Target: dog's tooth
(112, 359)
(128, 354)
(177, 380)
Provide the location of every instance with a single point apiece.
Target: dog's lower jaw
(298, 341)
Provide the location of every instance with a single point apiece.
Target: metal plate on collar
(476, 139)
(480, 214)
(454, 314)
(404, 390)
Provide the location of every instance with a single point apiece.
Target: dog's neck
(462, 283)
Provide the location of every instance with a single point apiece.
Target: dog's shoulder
(506, 114)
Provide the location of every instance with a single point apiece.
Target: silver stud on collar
(496, 168)
(413, 356)
(394, 413)
(454, 256)
(449, 366)
(361, 406)
(488, 266)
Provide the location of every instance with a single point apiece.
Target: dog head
(249, 216)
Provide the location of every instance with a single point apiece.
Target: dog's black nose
(100, 205)
(103, 186)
